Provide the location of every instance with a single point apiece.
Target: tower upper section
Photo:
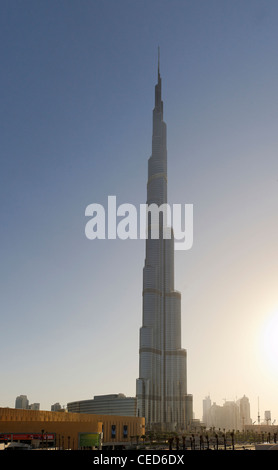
(157, 168)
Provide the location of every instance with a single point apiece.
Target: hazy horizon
(76, 124)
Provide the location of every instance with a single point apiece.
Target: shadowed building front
(63, 430)
(161, 388)
(112, 404)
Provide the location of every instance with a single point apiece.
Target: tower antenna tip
(158, 63)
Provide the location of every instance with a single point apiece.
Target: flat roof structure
(63, 429)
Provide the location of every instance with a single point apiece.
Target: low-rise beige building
(63, 429)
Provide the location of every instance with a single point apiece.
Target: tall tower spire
(161, 388)
(158, 101)
(158, 62)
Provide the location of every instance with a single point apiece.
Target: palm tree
(216, 435)
(143, 437)
(170, 441)
(233, 439)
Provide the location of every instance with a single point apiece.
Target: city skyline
(262, 417)
(76, 127)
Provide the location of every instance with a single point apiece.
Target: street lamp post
(42, 438)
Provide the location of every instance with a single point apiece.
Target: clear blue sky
(77, 93)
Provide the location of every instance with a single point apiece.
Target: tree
(143, 437)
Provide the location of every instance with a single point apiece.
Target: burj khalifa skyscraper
(161, 388)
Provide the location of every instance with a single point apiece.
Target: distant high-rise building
(161, 388)
(206, 408)
(244, 411)
(56, 407)
(224, 417)
(34, 406)
(231, 416)
(267, 417)
(22, 402)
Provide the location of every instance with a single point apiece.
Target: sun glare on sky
(269, 343)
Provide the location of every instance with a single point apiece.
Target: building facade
(206, 408)
(244, 411)
(232, 415)
(161, 388)
(63, 430)
(56, 407)
(22, 402)
(113, 404)
(34, 406)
